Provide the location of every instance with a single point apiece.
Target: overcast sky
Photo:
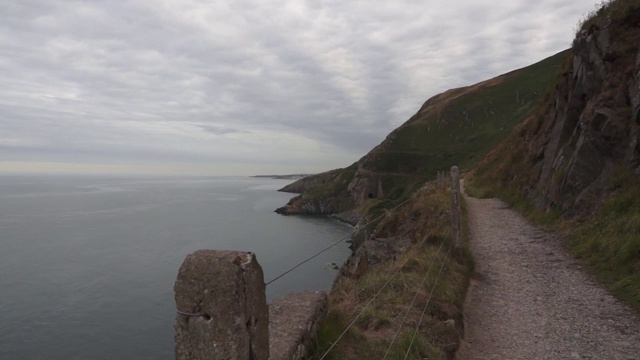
(243, 87)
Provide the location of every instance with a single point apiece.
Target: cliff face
(577, 158)
(456, 127)
(322, 194)
(595, 127)
(589, 129)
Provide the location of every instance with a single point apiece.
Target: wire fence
(384, 286)
(336, 243)
(420, 285)
(415, 297)
(393, 275)
(424, 310)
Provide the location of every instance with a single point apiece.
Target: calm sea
(87, 264)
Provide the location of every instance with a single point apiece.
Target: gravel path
(530, 300)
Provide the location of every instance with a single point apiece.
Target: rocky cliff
(575, 163)
(593, 126)
(566, 155)
(321, 194)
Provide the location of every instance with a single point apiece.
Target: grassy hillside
(456, 127)
(459, 126)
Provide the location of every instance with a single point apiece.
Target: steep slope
(579, 155)
(568, 121)
(455, 127)
(404, 246)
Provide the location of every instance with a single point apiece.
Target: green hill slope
(456, 127)
(460, 125)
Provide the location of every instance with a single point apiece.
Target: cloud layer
(246, 86)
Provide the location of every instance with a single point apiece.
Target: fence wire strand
(335, 243)
(334, 343)
(427, 304)
(406, 314)
(365, 307)
(376, 295)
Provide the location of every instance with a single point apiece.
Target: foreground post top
(221, 307)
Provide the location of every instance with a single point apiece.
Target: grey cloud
(114, 78)
(221, 130)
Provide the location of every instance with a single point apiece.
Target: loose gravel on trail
(529, 299)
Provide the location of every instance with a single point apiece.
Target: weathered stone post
(455, 204)
(222, 307)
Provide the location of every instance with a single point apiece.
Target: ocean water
(87, 264)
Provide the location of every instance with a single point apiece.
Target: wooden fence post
(222, 307)
(455, 204)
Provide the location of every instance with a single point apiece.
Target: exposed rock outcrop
(338, 192)
(300, 205)
(321, 194)
(591, 128)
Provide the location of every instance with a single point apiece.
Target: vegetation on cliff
(408, 244)
(456, 127)
(575, 163)
(321, 194)
(559, 140)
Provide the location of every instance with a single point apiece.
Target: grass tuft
(438, 335)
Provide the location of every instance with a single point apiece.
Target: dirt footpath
(530, 300)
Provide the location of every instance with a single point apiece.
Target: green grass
(336, 187)
(371, 335)
(609, 243)
(421, 348)
(461, 125)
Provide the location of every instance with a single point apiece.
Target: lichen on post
(221, 307)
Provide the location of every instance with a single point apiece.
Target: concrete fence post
(222, 307)
(455, 204)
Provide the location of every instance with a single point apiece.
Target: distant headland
(283, 177)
